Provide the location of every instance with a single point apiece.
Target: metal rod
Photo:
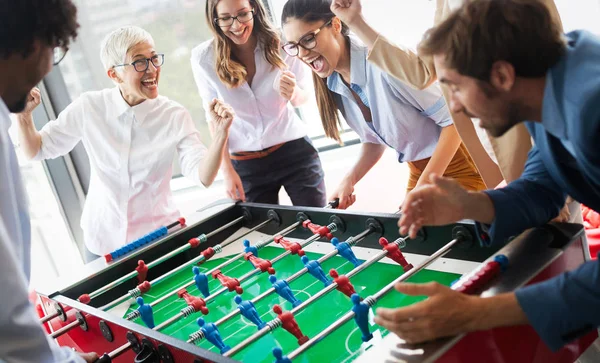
(224, 227)
(49, 317)
(255, 228)
(331, 328)
(259, 334)
(359, 237)
(373, 299)
(166, 323)
(246, 276)
(201, 257)
(283, 232)
(115, 353)
(161, 259)
(257, 270)
(65, 329)
(177, 251)
(273, 323)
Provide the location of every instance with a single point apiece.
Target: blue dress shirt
(565, 160)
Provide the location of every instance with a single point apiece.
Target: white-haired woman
(131, 135)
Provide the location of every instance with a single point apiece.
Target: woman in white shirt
(130, 134)
(268, 147)
(382, 110)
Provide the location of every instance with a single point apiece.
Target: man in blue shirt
(35, 36)
(513, 65)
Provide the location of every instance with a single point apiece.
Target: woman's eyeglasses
(308, 42)
(242, 17)
(141, 65)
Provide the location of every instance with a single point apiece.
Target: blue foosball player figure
(145, 312)
(249, 248)
(282, 288)
(211, 333)
(345, 250)
(201, 281)
(361, 316)
(314, 268)
(248, 310)
(279, 357)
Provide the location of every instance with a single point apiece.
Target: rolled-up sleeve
(190, 148)
(530, 201)
(402, 63)
(565, 307)
(60, 136)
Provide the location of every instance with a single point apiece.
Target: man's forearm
(29, 138)
(479, 207)
(497, 311)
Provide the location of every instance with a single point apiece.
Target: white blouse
(263, 117)
(131, 150)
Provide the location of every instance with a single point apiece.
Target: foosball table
(262, 283)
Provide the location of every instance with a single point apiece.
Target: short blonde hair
(118, 42)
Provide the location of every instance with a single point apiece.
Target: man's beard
(19, 105)
(512, 118)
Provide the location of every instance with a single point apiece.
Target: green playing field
(341, 346)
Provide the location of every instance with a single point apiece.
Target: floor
(381, 190)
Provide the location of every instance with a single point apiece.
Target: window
(176, 26)
(53, 251)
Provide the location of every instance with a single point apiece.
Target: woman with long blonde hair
(242, 67)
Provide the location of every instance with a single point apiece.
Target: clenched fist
(33, 100)
(221, 115)
(287, 85)
(347, 10)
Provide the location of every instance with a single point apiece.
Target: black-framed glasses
(141, 65)
(308, 42)
(243, 17)
(59, 54)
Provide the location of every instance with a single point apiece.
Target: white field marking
(347, 344)
(364, 346)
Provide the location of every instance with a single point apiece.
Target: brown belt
(249, 155)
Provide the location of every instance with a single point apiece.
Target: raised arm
(233, 182)
(29, 137)
(400, 62)
(57, 137)
(222, 116)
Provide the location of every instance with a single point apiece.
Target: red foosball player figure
(289, 323)
(230, 283)
(394, 253)
(294, 247)
(343, 283)
(142, 271)
(263, 265)
(322, 231)
(196, 302)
